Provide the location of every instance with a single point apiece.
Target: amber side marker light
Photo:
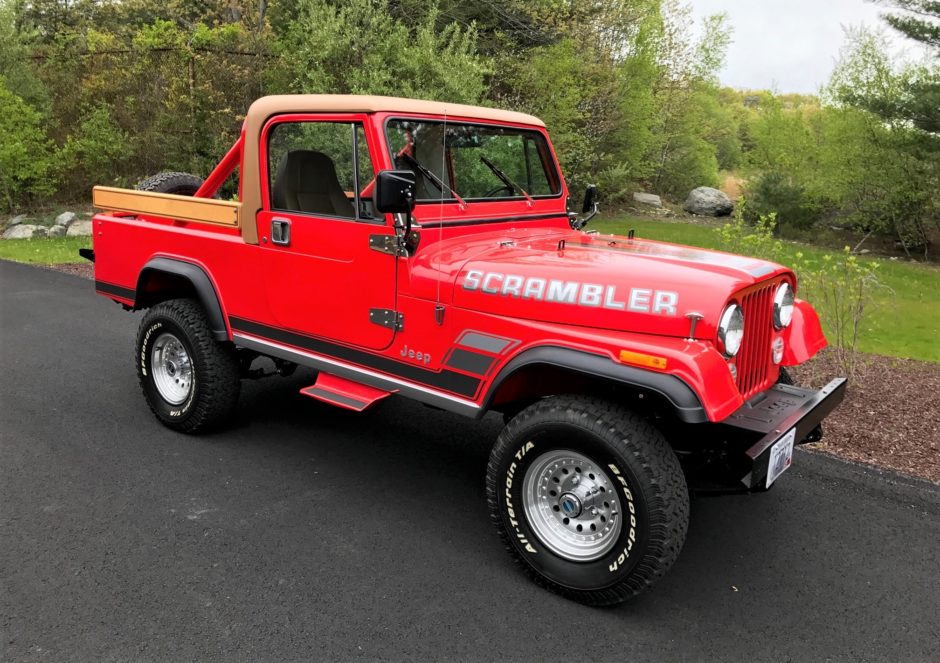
(640, 359)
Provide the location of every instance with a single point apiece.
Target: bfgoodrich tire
(588, 497)
(191, 382)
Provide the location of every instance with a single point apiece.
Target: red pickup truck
(425, 249)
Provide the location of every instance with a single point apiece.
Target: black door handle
(280, 231)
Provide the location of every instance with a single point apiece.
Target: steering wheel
(504, 187)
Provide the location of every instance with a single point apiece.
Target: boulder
(79, 229)
(24, 231)
(56, 231)
(650, 199)
(17, 220)
(65, 219)
(706, 201)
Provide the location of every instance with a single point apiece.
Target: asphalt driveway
(303, 532)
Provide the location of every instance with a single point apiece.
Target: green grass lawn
(903, 321)
(52, 251)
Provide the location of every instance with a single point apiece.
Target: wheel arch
(549, 370)
(169, 278)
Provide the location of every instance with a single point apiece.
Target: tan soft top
(266, 107)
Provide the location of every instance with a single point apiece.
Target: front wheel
(588, 497)
(190, 381)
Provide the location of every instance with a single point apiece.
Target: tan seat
(306, 182)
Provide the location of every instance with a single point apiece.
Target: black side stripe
(117, 290)
(470, 362)
(456, 383)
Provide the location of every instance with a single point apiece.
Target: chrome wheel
(172, 369)
(571, 505)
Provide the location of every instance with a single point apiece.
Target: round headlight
(731, 330)
(783, 306)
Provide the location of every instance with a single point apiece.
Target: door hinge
(390, 244)
(387, 318)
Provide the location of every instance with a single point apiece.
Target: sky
(790, 45)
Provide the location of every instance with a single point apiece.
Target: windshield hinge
(390, 244)
(387, 318)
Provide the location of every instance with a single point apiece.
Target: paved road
(309, 533)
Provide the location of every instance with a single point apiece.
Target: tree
(920, 20)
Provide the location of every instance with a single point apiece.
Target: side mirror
(395, 191)
(590, 198)
(588, 210)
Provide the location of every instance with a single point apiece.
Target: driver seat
(306, 182)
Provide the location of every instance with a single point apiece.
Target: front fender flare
(804, 337)
(683, 400)
(200, 281)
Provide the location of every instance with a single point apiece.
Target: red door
(322, 277)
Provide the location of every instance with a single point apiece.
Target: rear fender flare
(683, 401)
(202, 284)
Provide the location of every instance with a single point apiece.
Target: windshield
(473, 161)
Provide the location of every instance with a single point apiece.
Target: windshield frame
(553, 172)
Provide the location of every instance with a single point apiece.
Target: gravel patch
(84, 269)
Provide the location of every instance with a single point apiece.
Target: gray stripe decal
(479, 341)
(471, 362)
(331, 396)
(763, 270)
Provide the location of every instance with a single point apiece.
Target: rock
(79, 229)
(648, 199)
(56, 231)
(17, 220)
(24, 231)
(65, 219)
(706, 201)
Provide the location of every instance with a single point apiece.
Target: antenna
(438, 307)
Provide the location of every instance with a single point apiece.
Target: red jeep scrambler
(425, 249)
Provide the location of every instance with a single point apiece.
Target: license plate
(781, 456)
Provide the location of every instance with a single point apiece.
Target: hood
(599, 281)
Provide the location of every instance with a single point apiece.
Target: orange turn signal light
(641, 359)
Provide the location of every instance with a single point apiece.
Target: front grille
(753, 360)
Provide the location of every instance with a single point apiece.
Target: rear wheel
(588, 497)
(191, 382)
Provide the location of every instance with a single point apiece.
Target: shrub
(839, 286)
(777, 194)
(27, 156)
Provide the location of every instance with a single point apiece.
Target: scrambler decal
(639, 300)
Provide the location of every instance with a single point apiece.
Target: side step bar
(344, 393)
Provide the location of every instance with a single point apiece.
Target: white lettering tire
(191, 381)
(588, 497)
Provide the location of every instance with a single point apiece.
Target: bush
(94, 152)
(27, 156)
(776, 194)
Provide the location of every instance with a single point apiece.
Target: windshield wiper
(513, 187)
(434, 179)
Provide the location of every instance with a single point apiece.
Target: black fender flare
(201, 283)
(680, 396)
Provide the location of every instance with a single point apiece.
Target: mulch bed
(890, 416)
